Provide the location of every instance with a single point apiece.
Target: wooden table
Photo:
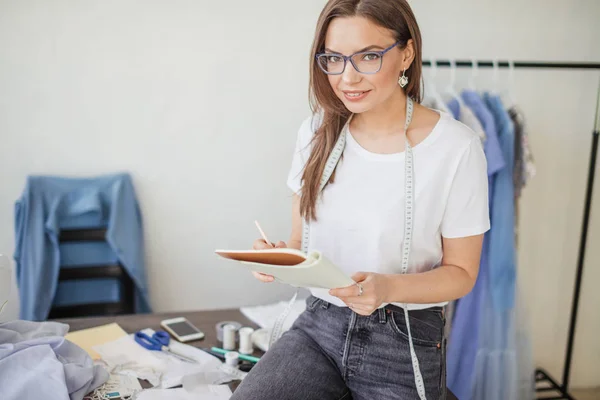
(204, 320)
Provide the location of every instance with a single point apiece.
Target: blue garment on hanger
(502, 244)
(496, 364)
(454, 107)
(45, 203)
(465, 334)
(491, 146)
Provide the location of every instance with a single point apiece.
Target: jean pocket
(426, 327)
(443, 371)
(312, 302)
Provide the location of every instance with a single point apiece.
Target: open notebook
(292, 267)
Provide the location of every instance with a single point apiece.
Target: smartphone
(182, 329)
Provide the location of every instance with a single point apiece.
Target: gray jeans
(332, 353)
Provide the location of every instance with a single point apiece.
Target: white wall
(201, 100)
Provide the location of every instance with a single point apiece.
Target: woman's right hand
(260, 244)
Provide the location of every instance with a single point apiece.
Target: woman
(403, 212)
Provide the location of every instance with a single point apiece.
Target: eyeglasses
(365, 62)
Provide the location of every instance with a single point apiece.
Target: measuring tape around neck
(330, 166)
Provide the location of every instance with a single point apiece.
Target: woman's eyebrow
(371, 47)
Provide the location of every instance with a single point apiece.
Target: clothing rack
(516, 64)
(542, 376)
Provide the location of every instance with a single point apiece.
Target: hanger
(494, 90)
(432, 75)
(434, 93)
(511, 83)
(450, 90)
(474, 74)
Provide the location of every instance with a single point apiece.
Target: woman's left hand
(366, 301)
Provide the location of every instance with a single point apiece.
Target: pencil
(262, 233)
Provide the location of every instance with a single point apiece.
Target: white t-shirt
(360, 225)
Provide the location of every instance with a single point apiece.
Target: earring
(403, 80)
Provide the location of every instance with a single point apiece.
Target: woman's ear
(408, 54)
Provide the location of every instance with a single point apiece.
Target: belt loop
(382, 316)
(324, 304)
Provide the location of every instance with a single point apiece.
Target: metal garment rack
(542, 376)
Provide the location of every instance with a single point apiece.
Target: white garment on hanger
(435, 103)
(467, 117)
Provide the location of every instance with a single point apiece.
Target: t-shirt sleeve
(467, 208)
(301, 154)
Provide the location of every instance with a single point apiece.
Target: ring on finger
(360, 289)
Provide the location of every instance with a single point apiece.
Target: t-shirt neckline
(353, 144)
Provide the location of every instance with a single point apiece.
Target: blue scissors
(159, 341)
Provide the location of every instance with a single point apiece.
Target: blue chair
(79, 248)
(100, 288)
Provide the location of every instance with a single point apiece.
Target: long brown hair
(395, 15)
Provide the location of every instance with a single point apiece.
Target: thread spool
(246, 346)
(229, 336)
(219, 328)
(232, 358)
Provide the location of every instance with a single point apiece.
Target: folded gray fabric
(37, 362)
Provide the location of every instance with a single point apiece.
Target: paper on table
(200, 380)
(209, 392)
(212, 392)
(161, 369)
(87, 338)
(125, 386)
(127, 357)
(175, 369)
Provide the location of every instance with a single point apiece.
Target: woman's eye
(334, 59)
(370, 57)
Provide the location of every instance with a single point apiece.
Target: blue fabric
(491, 146)
(77, 254)
(49, 204)
(36, 362)
(502, 243)
(465, 334)
(92, 291)
(497, 361)
(454, 107)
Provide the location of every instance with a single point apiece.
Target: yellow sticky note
(87, 338)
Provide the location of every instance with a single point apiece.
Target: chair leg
(128, 293)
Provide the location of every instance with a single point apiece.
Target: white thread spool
(219, 327)
(246, 346)
(229, 332)
(232, 358)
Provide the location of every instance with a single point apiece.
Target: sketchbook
(292, 267)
